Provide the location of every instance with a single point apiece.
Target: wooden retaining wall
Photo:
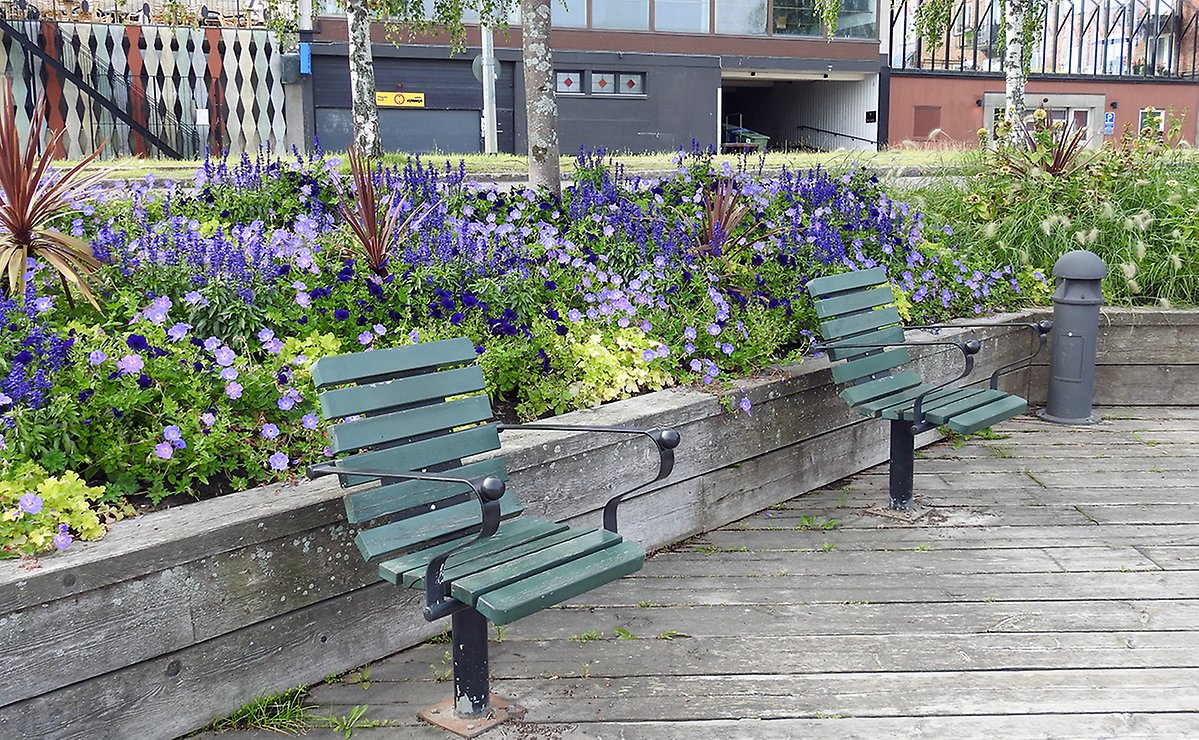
(180, 616)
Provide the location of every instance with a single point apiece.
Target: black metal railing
(1086, 38)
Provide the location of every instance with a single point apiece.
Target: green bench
(440, 518)
(864, 336)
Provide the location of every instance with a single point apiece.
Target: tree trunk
(541, 108)
(1013, 65)
(362, 81)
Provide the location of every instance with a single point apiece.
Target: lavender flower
(63, 539)
(269, 431)
(233, 390)
(309, 421)
(278, 461)
(96, 357)
(177, 332)
(130, 364)
(30, 503)
(172, 433)
(164, 450)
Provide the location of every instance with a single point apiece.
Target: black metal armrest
(1040, 329)
(665, 440)
(488, 489)
(969, 349)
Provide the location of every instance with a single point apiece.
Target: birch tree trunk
(1013, 64)
(364, 113)
(541, 108)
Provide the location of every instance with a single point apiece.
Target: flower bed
(216, 296)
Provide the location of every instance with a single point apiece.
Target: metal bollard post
(1076, 305)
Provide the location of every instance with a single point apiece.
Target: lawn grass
(510, 165)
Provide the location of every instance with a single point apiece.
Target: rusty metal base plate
(913, 515)
(442, 715)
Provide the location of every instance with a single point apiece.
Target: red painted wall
(961, 116)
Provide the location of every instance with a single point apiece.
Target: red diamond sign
(568, 82)
(630, 84)
(602, 83)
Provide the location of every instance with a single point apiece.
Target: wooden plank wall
(177, 617)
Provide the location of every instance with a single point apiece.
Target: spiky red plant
(376, 220)
(31, 201)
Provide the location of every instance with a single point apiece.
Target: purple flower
(574, 315)
(130, 364)
(207, 419)
(224, 356)
(309, 421)
(746, 405)
(137, 343)
(303, 299)
(156, 312)
(95, 357)
(714, 329)
(5, 400)
(269, 431)
(274, 346)
(365, 338)
(193, 298)
(265, 335)
(172, 433)
(341, 314)
(695, 366)
(233, 390)
(689, 333)
(63, 539)
(278, 461)
(30, 503)
(286, 403)
(178, 332)
(43, 304)
(229, 373)
(649, 354)
(212, 343)
(164, 450)
(179, 444)
(726, 348)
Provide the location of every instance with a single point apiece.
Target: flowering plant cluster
(218, 294)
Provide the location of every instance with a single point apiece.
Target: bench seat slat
(362, 506)
(982, 417)
(943, 414)
(512, 532)
(906, 397)
(426, 453)
(379, 430)
(529, 595)
(497, 556)
(413, 532)
(825, 286)
(931, 403)
(844, 328)
(364, 366)
(859, 394)
(852, 302)
(870, 365)
(376, 397)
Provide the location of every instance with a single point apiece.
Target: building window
(625, 15)
(630, 83)
(796, 18)
(569, 83)
(1152, 119)
(741, 17)
(682, 15)
(570, 14)
(603, 83)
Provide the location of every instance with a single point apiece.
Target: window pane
(603, 82)
(741, 16)
(682, 15)
(631, 84)
(631, 15)
(569, 82)
(570, 13)
(858, 19)
(797, 18)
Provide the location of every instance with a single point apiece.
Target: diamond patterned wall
(164, 77)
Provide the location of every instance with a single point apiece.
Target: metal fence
(1134, 38)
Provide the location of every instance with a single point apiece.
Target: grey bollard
(1076, 305)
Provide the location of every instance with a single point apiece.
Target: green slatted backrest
(858, 307)
(415, 408)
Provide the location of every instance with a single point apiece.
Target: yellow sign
(400, 100)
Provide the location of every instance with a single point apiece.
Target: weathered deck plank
(1054, 592)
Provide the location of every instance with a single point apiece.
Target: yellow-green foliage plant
(40, 513)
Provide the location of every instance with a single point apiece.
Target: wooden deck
(1053, 593)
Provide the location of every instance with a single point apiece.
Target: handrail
(838, 133)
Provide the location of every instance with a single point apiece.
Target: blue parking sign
(1109, 123)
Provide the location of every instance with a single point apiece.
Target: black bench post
(903, 463)
(471, 689)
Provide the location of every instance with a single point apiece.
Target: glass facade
(691, 16)
(570, 14)
(741, 17)
(623, 15)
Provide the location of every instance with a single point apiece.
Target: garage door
(416, 131)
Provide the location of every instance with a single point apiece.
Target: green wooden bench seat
(434, 510)
(864, 336)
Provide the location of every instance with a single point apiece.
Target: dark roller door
(417, 131)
